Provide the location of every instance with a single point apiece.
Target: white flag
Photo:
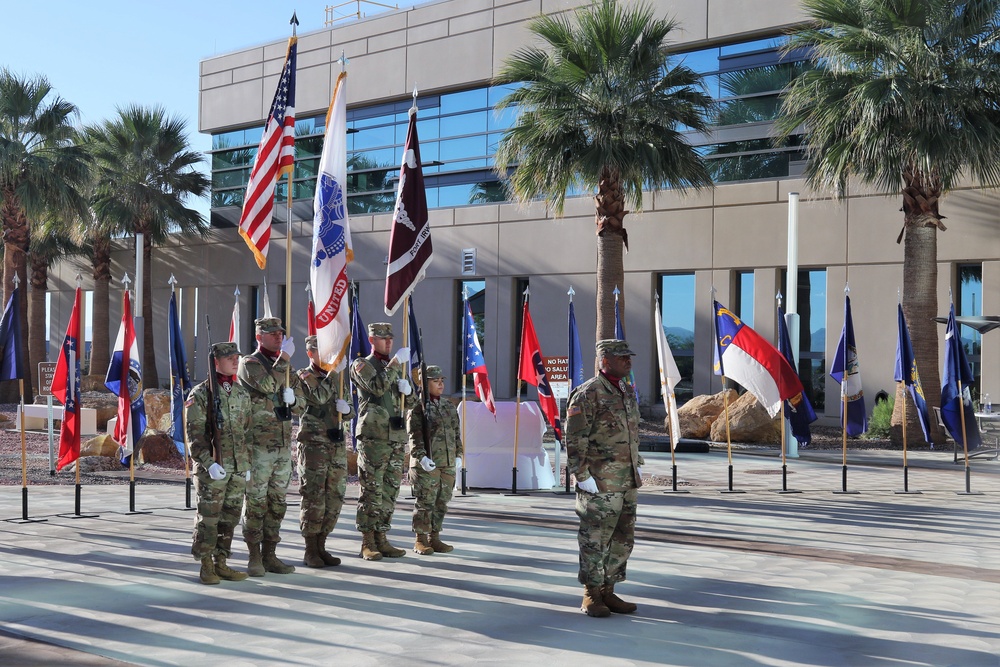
(669, 377)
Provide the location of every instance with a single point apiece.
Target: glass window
(475, 291)
(453, 150)
(743, 291)
(230, 179)
(677, 310)
(463, 101)
(812, 334)
(970, 303)
(466, 123)
(373, 137)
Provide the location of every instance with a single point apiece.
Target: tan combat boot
(225, 572)
(255, 566)
(615, 603)
(271, 562)
(422, 545)
(369, 551)
(327, 557)
(439, 546)
(312, 557)
(593, 603)
(207, 574)
(387, 549)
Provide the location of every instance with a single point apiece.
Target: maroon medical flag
(66, 388)
(410, 250)
(532, 371)
(275, 158)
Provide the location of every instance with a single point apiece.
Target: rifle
(213, 411)
(425, 426)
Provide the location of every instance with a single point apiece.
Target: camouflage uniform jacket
(443, 431)
(378, 398)
(236, 414)
(320, 412)
(602, 435)
(265, 380)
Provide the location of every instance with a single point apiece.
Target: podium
(489, 447)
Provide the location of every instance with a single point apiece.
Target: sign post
(47, 371)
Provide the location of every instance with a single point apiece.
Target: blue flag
(620, 335)
(180, 380)
(906, 372)
(957, 371)
(847, 371)
(800, 414)
(11, 367)
(575, 357)
(360, 347)
(416, 349)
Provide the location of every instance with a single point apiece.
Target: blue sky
(102, 54)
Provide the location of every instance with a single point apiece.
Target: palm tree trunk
(15, 239)
(611, 240)
(100, 355)
(36, 311)
(920, 306)
(150, 379)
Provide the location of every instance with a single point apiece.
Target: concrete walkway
(754, 578)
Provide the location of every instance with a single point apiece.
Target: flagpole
(517, 397)
(288, 249)
(961, 413)
(843, 398)
(173, 427)
(465, 365)
(906, 469)
(569, 377)
(729, 441)
(669, 399)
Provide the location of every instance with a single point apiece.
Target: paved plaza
(754, 578)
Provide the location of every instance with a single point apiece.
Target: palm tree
(904, 97)
(146, 171)
(94, 238)
(51, 239)
(601, 107)
(41, 168)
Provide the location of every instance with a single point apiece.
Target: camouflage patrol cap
(380, 330)
(225, 349)
(435, 373)
(614, 347)
(269, 325)
(311, 344)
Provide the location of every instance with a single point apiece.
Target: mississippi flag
(275, 157)
(410, 250)
(125, 379)
(532, 371)
(331, 249)
(475, 363)
(66, 388)
(744, 356)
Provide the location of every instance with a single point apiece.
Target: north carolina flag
(532, 371)
(745, 357)
(475, 363)
(124, 378)
(331, 248)
(66, 388)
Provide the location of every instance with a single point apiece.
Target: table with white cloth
(489, 447)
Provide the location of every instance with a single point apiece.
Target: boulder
(104, 402)
(93, 383)
(696, 416)
(157, 408)
(102, 445)
(155, 447)
(99, 464)
(748, 422)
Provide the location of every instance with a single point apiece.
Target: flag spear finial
(294, 22)
(126, 280)
(79, 281)
(571, 292)
(16, 280)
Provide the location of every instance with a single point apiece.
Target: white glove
(458, 462)
(638, 469)
(288, 346)
(402, 356)
(588, 485)
(343, 407)
(216, 472)
(404, 387)
(288, 396)
(427, 464)
(248, 475)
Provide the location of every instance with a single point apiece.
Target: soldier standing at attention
(219, 477)
(435, 437)
(381, 433)
(602, 445)
(322, 457)
(263, 374)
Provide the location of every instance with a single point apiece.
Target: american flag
(474, 362)
(275, 158)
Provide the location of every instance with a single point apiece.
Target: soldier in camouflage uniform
(219, 483)
(263, 375)
(432, 462)
(602, 444)
(322, 457)
(381, 433)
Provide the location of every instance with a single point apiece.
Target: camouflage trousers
(219, 503)
(607, 535)
(265, 498)
(380, 471)
(432, 491)
(322, 484)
